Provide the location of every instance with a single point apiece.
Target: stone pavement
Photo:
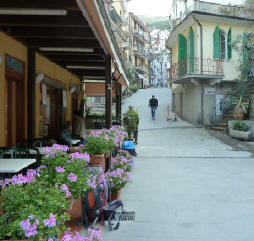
(187, 185)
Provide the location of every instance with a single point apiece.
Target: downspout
(201, 69)
(170, 84)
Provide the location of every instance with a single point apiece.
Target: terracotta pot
(116, 195)
(238, 114)
(75, 222)
(97, 160)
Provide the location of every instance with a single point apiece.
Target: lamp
(27, 11)
(39, 77)
(59, 49)
(84, 67)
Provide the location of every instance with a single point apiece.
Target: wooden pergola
(72, 33)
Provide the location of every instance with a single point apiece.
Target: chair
(14, 153)
(41, 142)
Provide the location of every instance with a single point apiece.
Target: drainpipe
(170, 84)
(201, 69)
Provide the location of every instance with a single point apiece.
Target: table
(8, 165)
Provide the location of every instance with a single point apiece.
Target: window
(136, 61)
(222, 45)
(222, 48)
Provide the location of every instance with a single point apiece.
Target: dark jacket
(65, 137)
(153, 102)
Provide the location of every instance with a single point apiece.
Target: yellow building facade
(204, 63)
(10, 88)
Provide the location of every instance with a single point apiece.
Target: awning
(93, 89)
(140, 76)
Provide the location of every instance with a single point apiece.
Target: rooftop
(218, 9)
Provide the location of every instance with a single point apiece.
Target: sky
(150, 7)
(161, 7)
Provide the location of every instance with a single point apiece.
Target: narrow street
(187, 185)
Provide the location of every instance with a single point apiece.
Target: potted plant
(241, 107)
(30, 210)
(118, 178)
(123, 160)
(35, 206)
(98, 143)
(240, 130)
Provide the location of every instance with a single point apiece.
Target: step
(218, 128)
(222, 124)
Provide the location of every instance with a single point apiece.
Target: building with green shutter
(203, 63)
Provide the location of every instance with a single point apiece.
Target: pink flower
(72, 177)
(51, 222)
(60, 169)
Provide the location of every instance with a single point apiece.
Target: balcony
(191, 68)
(141, 36)
(143, 69)
(141, 51)
(214, 8)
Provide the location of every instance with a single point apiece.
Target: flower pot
(75, 222)
(238, 114)
(116, 195)
(240, 135)
(97, 160)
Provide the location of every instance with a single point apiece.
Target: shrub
(240, 126)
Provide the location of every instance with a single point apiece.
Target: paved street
(187, 185)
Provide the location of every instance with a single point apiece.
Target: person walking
(131, 121)
(153, 103)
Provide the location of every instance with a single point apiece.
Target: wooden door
(15, 111)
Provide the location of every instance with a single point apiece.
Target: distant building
(204, 64)
(160, 60)
(139, 53)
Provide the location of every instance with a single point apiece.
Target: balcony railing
(214, 8)
(192, 66)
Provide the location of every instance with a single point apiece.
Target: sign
(210, 91)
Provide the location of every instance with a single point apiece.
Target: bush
(240, 126)
(134, 87)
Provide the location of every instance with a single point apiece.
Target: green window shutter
(245, 50)
(191, 50)
(229, 43)
(216, 43)
(182, 54)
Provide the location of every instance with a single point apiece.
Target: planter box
(241, 135)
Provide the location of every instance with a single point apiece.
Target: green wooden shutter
(216, 43)
(191, 50)
(182, 54)
(229, 43)
(245, 50)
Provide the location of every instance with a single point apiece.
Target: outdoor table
(9, 165)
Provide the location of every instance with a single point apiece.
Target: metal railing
(193, 66)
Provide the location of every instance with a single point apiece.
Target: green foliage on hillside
(156, 22)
